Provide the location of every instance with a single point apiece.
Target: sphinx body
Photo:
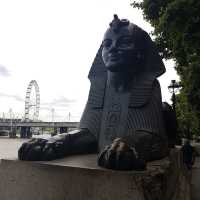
(136, 119)
(123, 118)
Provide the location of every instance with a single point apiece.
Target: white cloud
(58, 102)
(13, 96)
(54, 43)
(4, 71)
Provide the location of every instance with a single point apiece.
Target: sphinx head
(121, 49)
(127, 47)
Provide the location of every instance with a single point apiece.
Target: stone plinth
(79, 178)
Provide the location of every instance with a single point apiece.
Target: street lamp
(11, 120)
(173, 88)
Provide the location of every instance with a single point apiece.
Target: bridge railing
(40, 124)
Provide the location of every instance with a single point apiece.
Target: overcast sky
(54, 42)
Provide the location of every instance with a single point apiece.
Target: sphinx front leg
(76, 142)
(132, 152)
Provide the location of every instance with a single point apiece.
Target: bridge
(25, 127)
(40, 124)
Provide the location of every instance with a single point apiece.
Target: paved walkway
(196, 180)
(9, 147)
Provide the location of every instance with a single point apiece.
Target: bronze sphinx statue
(123, 117)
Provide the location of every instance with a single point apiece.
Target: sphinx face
(119, 50)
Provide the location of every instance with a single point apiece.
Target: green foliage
(187, 119)
(177, 34)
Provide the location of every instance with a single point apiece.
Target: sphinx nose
(113, 47)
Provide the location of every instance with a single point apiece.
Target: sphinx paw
(120, 156)
(32, 150)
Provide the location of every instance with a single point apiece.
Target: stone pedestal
(79, 178)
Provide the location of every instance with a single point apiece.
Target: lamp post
(11, 122)
(52, 114)
(173, 88)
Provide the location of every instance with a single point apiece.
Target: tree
(177, 34)
(187, 120)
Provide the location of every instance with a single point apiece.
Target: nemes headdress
(152, 67)
(153, 64)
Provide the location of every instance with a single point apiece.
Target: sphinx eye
(125, 42)
(107, 43)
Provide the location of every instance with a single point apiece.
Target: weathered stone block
(79, 178)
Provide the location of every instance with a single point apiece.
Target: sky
(54, 42)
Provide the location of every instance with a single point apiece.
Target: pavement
(196, 180)
(9, 147)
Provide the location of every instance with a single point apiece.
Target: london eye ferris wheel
(32, 101)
